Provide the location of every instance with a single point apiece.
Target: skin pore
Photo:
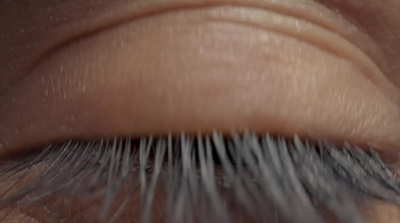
(87, 69)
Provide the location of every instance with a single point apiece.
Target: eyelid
(195, 75)
(66, 23)
(382, 32)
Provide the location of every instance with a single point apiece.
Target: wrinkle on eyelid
(81, 22)
(141, 9)
(379, 20)
(320, 37)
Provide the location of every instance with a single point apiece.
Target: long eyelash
(206, 177)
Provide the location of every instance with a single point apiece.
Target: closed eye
(262, 66)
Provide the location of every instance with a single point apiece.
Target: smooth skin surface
(87, 69)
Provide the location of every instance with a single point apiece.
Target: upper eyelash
(279, 165)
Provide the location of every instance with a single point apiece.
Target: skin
(152, 67)
(87, 69)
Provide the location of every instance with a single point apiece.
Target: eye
(141, 68)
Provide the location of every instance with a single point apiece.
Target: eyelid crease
(146, 10)
(323, 40)
(138, 14)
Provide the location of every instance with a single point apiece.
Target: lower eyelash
(207, 176)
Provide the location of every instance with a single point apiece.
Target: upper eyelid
(58, 80)
(85, 26)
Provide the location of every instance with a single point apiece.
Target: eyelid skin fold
(227, 67)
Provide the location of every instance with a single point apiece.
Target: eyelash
(254, 170)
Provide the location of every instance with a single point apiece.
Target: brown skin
(84, 69)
